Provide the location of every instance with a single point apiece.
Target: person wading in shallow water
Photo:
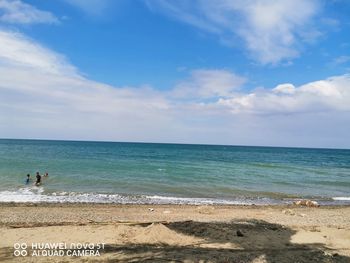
(28, 179)
(38, 179)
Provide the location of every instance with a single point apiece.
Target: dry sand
(174, 233)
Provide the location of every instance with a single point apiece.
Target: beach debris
(308, 203)
(150, 209)
(288, 212)
(239, 233)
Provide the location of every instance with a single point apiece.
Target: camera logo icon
(20, 249)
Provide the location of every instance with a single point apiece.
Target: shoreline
(27, 196)
(222, 205)
(41, 195)
(40, 203)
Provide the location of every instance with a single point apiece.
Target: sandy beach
(175, 233)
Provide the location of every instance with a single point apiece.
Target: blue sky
(252, 72)
(131, 37)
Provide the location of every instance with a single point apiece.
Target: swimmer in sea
(38, 179)
(28, 179)
(46, 174)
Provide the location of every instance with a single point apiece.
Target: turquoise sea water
(171, 173)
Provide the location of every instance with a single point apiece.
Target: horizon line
(175, 143)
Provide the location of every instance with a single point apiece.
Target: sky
(254, 72)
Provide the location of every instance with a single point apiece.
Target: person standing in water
(28, 179)
(38, 179)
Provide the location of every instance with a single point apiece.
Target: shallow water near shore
(107, 172)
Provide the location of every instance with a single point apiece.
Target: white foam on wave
(36, 195)
(341, 198)
(198, 201)
(30, 195)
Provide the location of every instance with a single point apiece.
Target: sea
(154, 173)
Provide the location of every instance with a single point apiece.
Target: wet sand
(180, 233)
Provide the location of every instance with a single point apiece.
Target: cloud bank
(332, 94)
(44, 96)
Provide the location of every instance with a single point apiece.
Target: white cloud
(17, 12)
(286, 88)
(206, 83)
(271, 30)
(332, 94)
(44, 96)
(19, 50)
